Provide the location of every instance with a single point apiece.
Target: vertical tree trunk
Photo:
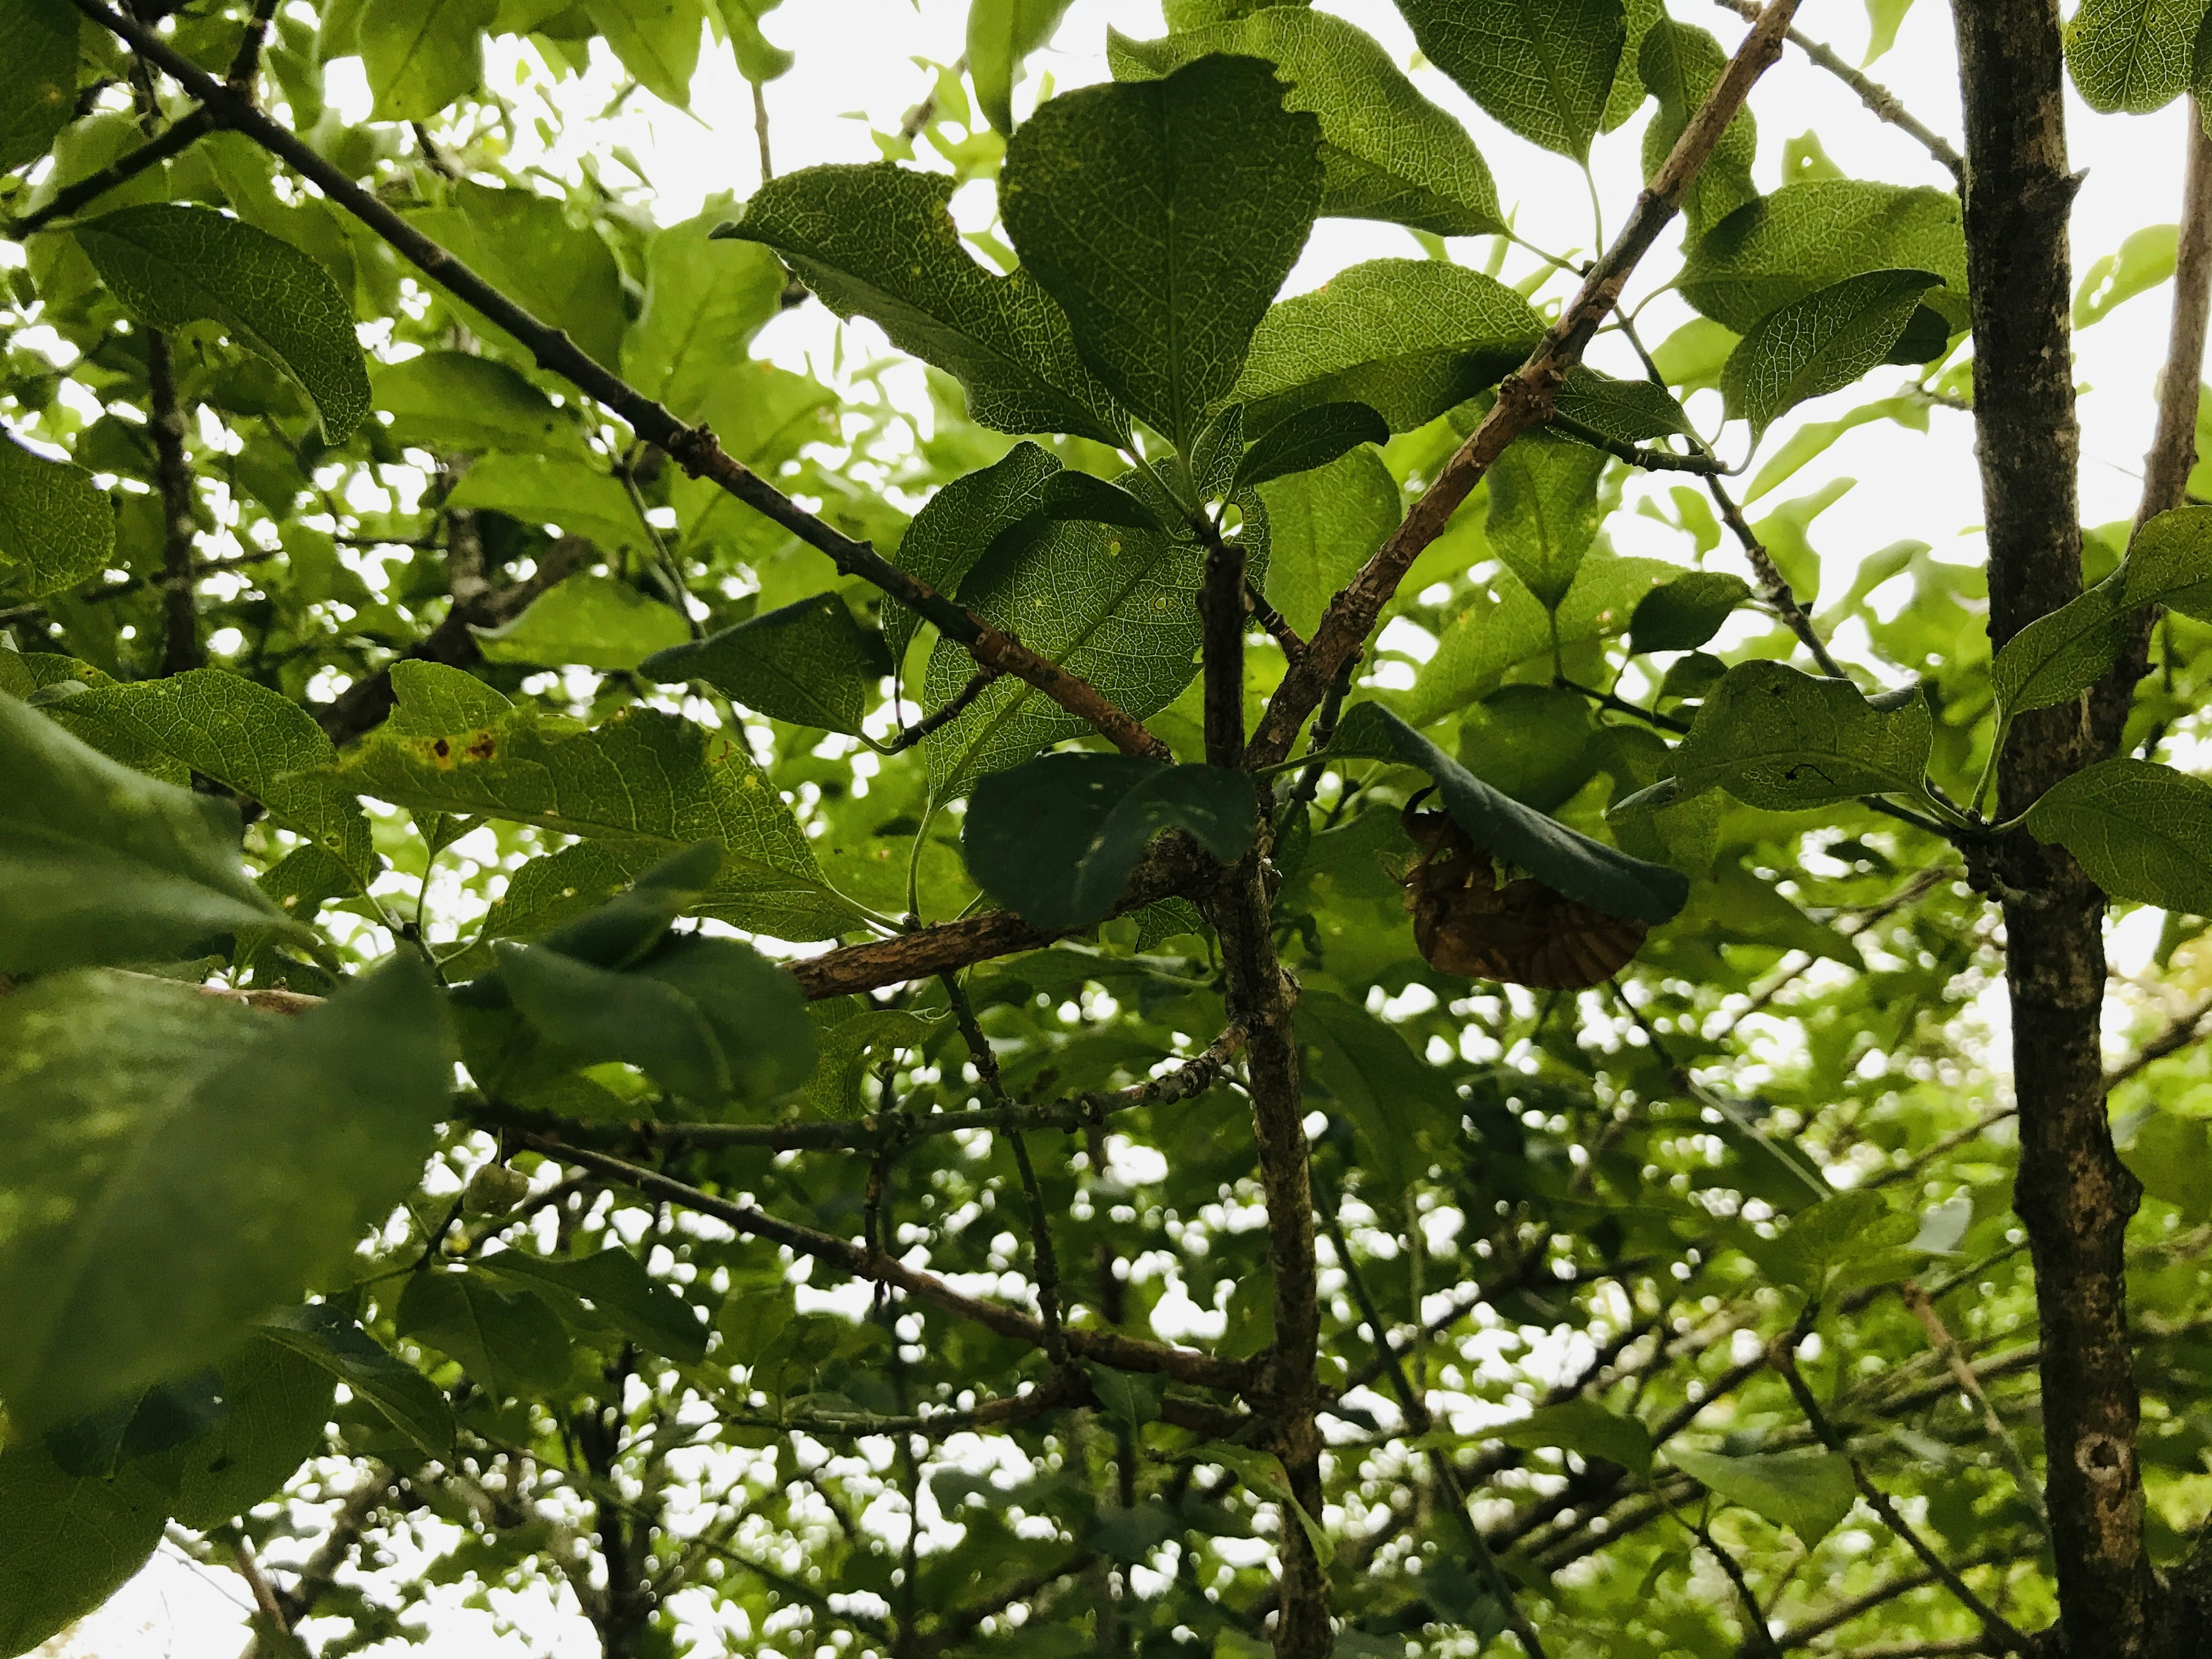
(2073, 1192)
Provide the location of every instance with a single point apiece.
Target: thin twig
(1923, 1309)
(1643, 455)
(908, 736)
(1875, 96)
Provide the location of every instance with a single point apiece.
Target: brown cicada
(1521, 933)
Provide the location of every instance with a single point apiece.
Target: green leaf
(1129, 1397)
(1544, 68)
(1781, 739)
(617, 1286)
(1503, 626)
(658, 41)
(1816, 438)
(1000, 34)
(1820, 343)
(1309, 439)
(1118, 607)
(707, 1018)
(958, 525)
(1629, 410)
(759, 59)
(1884, 19)
(2172, 1156)
(420, 55)
(2061, 653)
(1831, 1233)
(1053, 841)
(179, 1166)
(1587, 1426)
(1403, 1111)
(57, 527)
(809, 663)
(556, 490)
(1410, 339)
(591, 620)
(1544, 510)
(1387, 152)
(704, 300)
(244, 737)
(507, 1341)
(1321, 526)
(451, 401)
(1808, 1491)
(1583, 870)
(38, 79)
(847, 1030)
(1680, 66)
(99, 863)
(276, 1405)
(1807, 237)
(1084, 497)
(2142, 830)
(1531, 742)
(2132, 55)
(523, 244)
(1263, 1472)
(2143, 261)
(879, 241)
(406, 1399)
(486, 758)
(67, 1542)
(2169, 563)
(1686, 612)
(1164, 269)
(170, 266)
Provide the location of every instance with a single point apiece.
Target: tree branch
(1876, 97)
(172, 471)
(1107, 1347)
(694, 448)
(1525, 399)
(173, 140)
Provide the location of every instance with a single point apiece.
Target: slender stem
(1650, 460)
(1990, 767)
(181, 642)
(1524, 399)
(1274, 621)
(908, 736)
(1010, 1128)
(67, 202)
(1221, 615)
(694, 448)
(1774, 586)
(1922, 1308)
(1754, 1620)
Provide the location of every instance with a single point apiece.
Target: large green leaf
(2142, 830)
(1810, 236)
(101, 864)
(2061, 654)
(1807, 1491)
(1544, 511)
(523, 244)
(241, 734)
(1776, 738)
(556, 490)
(1585, 871)
(2170, 562)
(1686, 612)
(658, 41)
(1403, 1111)
(1386, 152)
(704, 300)
(1585, 1425)
(588, 619)
(1410, 339)
(1321, 526)
(67, 1541)
(275, 1404)
(1118, 607)
(420, 55)
(645, 782)
(180, 1166)
(1680, 66)
(2132, 55)
(509, 1342)
(38, 77)
(1053, 841)
(1164, 269)
(809, 663)
(330, 1338)
(1820, 344)
(619, 1290)
(879, 241)
(1309, 439)
(1000, 34)
(1544, 68)
(56, 526)
(171, 265)
(448, 401)
(958, 525)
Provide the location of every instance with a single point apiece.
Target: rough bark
(2073, 1192)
